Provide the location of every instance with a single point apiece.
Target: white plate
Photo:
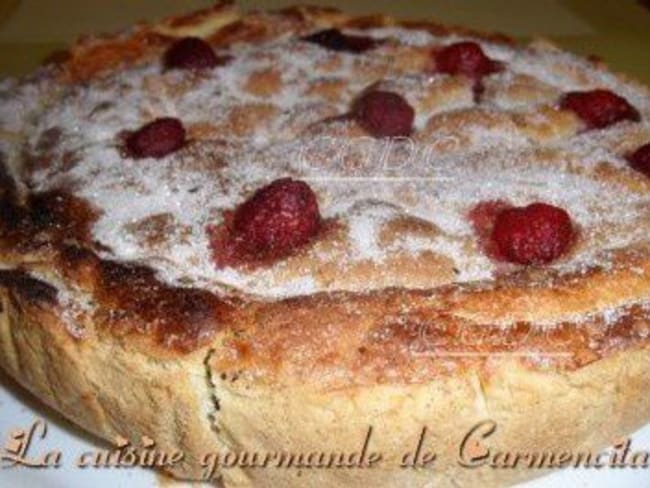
(18, 409)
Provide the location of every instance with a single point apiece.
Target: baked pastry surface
(118, 310)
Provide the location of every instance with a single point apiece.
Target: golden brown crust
(195, 406)
(534, 412)
(409, 338)
(91, 57)
(361, 330)
(224, 24)
(100, 381)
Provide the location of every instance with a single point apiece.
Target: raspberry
(640, 160)
(276, 220)
(335, 40)
(192, 53)
(156, 139)
(535, 234)
(384, 114)
(599, 108)
(465, 58)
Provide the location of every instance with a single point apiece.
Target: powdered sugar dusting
(156, 211)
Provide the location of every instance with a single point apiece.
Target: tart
(269, 231)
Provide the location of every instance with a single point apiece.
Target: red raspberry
(640, 160)
(276, 220)
(335, 40)
(192, 53)
(599, 108)
(535, 234)
(156, 139)
(384, 114)
(465, 58)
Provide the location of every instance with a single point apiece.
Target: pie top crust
(397, 286)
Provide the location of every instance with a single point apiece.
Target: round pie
(301, 233)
